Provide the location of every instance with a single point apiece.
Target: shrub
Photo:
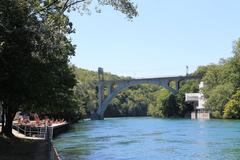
(232, 108)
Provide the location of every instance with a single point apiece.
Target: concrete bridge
(116, 86)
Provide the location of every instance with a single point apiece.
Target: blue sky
(165, 37)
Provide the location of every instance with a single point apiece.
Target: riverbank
(23, 149)
(30, 148)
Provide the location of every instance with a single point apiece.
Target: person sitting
(46, 120)
(37, 119)
(50, 122)
(56, 121)
(20, 119)
(26, 119)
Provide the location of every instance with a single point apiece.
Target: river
(148, 138)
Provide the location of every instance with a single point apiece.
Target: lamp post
(187, 69)
(100, 74)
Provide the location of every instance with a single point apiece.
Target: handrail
(30, 131)
(56, 156)
(45, 132)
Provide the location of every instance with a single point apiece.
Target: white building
(199, 100)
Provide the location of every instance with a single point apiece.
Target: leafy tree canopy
(232, 108)
(35, 52)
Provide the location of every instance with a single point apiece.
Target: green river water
(148, 138)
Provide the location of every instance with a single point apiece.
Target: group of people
(34, 120)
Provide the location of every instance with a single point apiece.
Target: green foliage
(190, 86)
(86, 93)
(216, 114)
(131, 102)
(163, 104)
(213, 76)
(222, 79)
(85, 96)
(201, 71)
(83, 6)
(232, 108)
(153, 100)
(235, 65)
(156, 107)
(34, 55)
(218, 97)
(35, 52)
(170, 107)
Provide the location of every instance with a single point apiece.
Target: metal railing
(44, 132)
(31, 131)
(55, 155)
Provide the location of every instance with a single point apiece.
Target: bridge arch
(103, 102)
(120, 88)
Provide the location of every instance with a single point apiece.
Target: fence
(55, 155)
(33, 131)
(43, 132)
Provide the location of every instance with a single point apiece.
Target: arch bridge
(116, 86)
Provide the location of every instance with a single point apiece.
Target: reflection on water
(151, 139)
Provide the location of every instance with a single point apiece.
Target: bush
(232, 108)
(216, 114)
(170, 107)
(218, 98)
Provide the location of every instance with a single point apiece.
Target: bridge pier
(110, 89)
(98, 115)
(177, 85)
(100, 94)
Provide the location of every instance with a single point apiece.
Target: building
(198, 101)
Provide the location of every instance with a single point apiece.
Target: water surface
(148, 138)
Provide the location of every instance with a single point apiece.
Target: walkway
(25, 148)
(20, 135)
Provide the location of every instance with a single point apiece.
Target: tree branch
(46, 7)
(65, 5)
(71, 4)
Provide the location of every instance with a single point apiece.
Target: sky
(167, 36)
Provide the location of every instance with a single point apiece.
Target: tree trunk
(7, 129)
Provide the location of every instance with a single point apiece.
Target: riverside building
(198, 101)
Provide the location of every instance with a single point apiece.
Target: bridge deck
(106, 82)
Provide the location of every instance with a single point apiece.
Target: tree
(84, 93)
(219, 80)
(170, 107)
(35, 58)
(232, 108)
(156, 108)
(130, 102)
(190, 86)
(217, 99)
(235, 64)
(82, 6)
(35, 52)
(213, 77)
